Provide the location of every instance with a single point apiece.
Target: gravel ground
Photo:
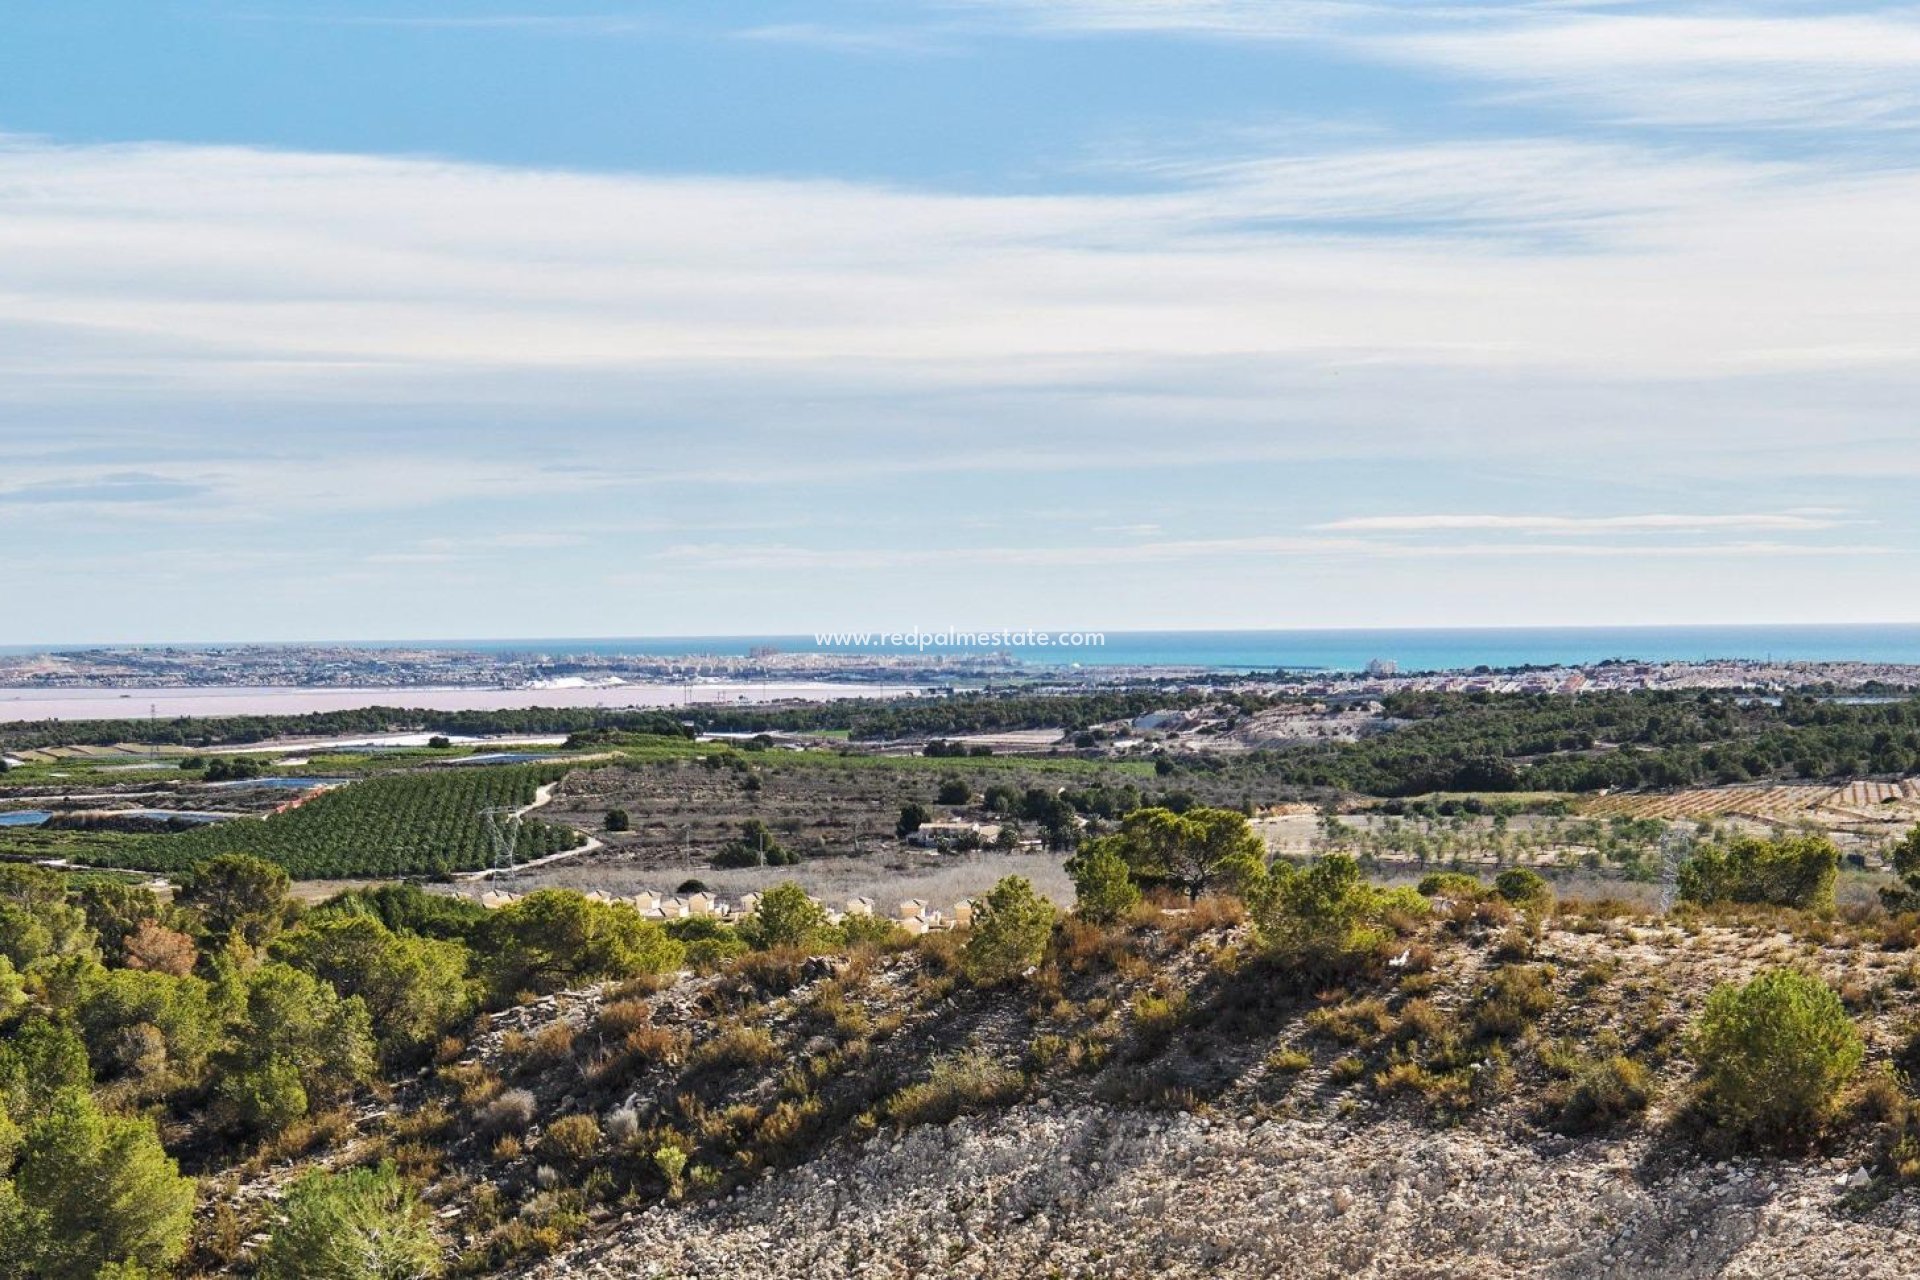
(1085, 1191)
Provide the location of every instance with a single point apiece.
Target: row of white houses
(915, 915)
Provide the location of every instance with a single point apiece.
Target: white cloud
(1212, 551)
(1577, 524)
(1727, 70)
(162, 265)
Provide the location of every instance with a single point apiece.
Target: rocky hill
(1158, 1098)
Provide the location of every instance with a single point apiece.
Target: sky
(496, 318)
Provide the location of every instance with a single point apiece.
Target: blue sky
(381, 320)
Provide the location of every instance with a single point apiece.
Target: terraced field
(1770, 804)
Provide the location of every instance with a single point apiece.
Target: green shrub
(363, 1224)
(1103, 885)
(1524, 888)
(1451, 884)
(1798, 871)
(784, 917)
(554, 938)
(1325, 921)
(1774, 1054)
(1009, 934)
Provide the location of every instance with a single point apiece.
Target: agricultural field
(1787, 803)
(817, 804)
(420, 823)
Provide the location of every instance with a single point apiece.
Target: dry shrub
(573, 1138)
(306, 1135)
(1513, 1000)
(782, 1128)
(1602, 1092)
(735, 1046)
(1288, 1061)
(508, 1147)
(1155, 1019)
(1357, 1022)
(552, 1044)
(666, 1046)
(623, 1017)
(639, 986)
(964, 1082)
(1420, 1020)
(773, 972)
(471, 1082)
(940, 951)
(510, 1112)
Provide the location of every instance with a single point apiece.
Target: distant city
(352, 667)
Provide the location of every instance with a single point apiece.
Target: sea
(1412, 650)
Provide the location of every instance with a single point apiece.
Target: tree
(784, 917)
(98, 1191)
(117, 910)
(913, 816)
(1774, 1054)
(618, 820)
(1009, 934)
(414, 988)
(1059, 823)
(297, 1042)
(141, 1023)
(1192, 851)
(39, 1060)
(153, 946)
(756, 846)
(37, 923)
(363, 1224)
(555, 937)
(954, 791)
(1103, 885)
(238, 897)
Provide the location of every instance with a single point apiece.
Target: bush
(554, 938)
(784, 917)
(364, 1224)
(954, 791)
(1524, 888)
(618, 820)
(1009, 934)
(1451, 884)
(1798, 871)
(1103, 886)
(1602, 1092)
(1513, 1000)
(1774, 1054)
(510, 1112)
(965, 1082)
(574, 1138)
(1324, 922)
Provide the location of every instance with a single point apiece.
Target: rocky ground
(1088, 1191)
